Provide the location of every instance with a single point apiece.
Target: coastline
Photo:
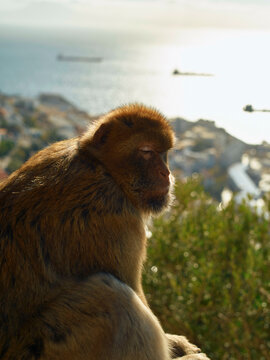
(29, 124)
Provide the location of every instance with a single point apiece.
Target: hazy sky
(157, 13)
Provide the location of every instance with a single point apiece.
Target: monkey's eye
(146, 151)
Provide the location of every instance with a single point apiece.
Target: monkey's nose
(165, 173)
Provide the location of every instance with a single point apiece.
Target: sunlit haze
(162, 13)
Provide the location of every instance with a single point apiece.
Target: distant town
(226, 164)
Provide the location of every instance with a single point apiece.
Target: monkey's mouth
(164, 190)
(160, 191)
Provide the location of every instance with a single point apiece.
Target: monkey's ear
(101, 135)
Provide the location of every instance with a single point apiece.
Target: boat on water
(250, 108)
(177, 72)
(62, 57)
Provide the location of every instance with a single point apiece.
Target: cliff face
(203, 137)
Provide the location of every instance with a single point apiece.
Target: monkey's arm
(179, 346)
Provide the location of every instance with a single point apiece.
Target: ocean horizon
(137, 66)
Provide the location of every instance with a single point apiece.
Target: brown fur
(72, 245)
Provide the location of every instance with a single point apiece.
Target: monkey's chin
(157, 204)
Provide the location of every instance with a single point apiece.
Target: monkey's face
(152, 182)
(141, 168)
(132, 143)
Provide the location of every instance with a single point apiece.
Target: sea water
(137, 66)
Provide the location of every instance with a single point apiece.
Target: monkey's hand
(180, 346)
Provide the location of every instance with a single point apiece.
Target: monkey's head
(132, 142)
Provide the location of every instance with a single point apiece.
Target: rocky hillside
(27, 125)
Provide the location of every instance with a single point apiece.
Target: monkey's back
(54, 212)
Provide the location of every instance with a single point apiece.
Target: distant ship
(61, 57)
(177, 72)
(249, 108)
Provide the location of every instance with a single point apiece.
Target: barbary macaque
(73, 243)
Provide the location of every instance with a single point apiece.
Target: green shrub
(50, 137)
(14, 164)
(6, 146)
(19, 156)
(30, 121)
(208, 275)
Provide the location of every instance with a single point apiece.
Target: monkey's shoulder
(98, 194)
